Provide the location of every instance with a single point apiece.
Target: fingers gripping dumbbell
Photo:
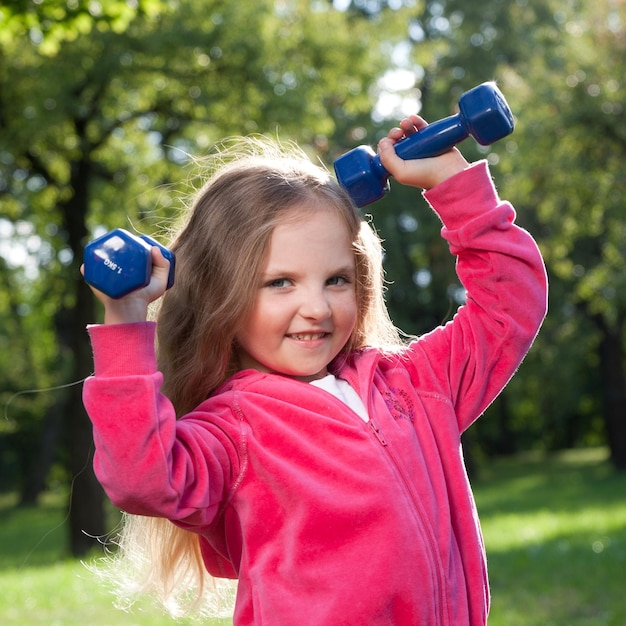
(483, 114)
(120, 262)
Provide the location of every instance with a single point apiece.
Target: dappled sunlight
(595, 527)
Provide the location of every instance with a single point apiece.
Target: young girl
(288, 438)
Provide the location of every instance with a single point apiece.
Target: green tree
(573, 146)
(560, 66)
(97, 129)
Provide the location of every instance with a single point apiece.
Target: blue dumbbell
(483, 114)
(120, 262)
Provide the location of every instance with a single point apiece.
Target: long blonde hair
(220, 250)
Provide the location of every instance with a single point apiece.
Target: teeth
(309, 337)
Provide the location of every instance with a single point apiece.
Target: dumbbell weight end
(119, 262)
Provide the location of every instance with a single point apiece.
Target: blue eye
(338, 280)
(278, 283)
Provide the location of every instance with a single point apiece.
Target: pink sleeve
(148, 462)
(501, 268)
(120, 349)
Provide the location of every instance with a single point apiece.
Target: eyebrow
(349, 270)
(346, 269)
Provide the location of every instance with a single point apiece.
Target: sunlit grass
(555, 531)
(65, 594)
(41, 587)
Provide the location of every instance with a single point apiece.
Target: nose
(315, 305)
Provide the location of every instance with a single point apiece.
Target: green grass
(555, 530)
(40, 587)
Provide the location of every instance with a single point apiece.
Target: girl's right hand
(133, 307)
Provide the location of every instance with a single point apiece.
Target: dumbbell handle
(430, 141)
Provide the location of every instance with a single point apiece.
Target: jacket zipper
(432, 543)
(378, 433)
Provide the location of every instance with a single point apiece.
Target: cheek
(347, 312)
(267, 320)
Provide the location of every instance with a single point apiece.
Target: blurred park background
(105, 107)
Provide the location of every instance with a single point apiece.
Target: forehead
(315, 235)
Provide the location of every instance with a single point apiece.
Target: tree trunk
(35, 477)
(87, 519)
(614, 388)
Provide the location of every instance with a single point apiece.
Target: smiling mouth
(308, 336)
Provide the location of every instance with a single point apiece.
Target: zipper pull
(378, 433)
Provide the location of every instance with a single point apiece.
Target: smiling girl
(285, 435)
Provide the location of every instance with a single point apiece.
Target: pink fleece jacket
(324, 518)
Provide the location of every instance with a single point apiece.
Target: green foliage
(102, 110)
(560, 66)
(570, 183)
(136, 103)
(51, 23)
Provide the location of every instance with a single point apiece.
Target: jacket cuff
(464, 196)
(123, 349)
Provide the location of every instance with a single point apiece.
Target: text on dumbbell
(113, 266)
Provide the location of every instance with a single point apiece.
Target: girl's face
(305, 308)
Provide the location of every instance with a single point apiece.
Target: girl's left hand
(425, 173)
